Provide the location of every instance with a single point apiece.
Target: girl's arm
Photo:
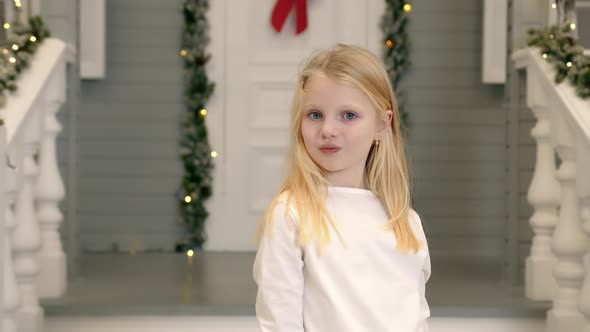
(278, 272)
(424, 276)
(424, 308)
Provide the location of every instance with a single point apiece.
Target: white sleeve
(424, 313)
(278, 272)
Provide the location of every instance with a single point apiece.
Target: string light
(553, 6)
(569, 64)
(551, 36)
(183, 53)
(389, 43)
(544, 55)
(18, 4)
(573, 26)
(33, 39)
(15, 47)
(203, 112)
(407, 8)
(12, 60)
(4, 51)
(188, 199)
(6, 26)
(190, 253)
(213, 154)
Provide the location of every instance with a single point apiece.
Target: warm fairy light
(15, 47)
(573, 26)
(17, 3)
(544, 55)
(213, 154)
(182, 52)
(190, 253)
(12, 60)
(33, 39)
(188, 199)
(407, 8)
(6, 26)
(4, 51)
(203, 112)
(551, 36)
(553, 6)
(569, 64)
(389, 43)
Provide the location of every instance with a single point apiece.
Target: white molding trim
(92, 39)
(494, 41)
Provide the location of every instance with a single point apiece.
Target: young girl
(340, 248)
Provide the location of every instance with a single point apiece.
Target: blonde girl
(340, 247)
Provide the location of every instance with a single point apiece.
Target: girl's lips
(329, 150)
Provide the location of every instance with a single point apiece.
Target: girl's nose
(329, 128)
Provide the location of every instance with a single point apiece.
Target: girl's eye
(349, 116)
(314, 115)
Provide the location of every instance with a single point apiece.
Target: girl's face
(339, 125)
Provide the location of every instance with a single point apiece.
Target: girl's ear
(385, 123)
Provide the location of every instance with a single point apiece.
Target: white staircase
(32, 261)
(555, 269)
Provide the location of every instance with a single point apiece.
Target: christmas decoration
(396, 46)
(558, 45)
(195, 152)
(281, 11)
(16, 52)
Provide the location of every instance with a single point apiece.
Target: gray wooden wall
(128, 132)
(457, 134)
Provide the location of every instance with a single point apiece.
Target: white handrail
(578, 109)
(30, 85)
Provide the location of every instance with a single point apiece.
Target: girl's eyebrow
(308, 106)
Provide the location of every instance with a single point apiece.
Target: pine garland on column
(195, 152)
(17, 52)
(559, 47)
(396, 47)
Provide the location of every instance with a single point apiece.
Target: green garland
(396, 47)
(559, 47)
(16, 53)
(195, 152)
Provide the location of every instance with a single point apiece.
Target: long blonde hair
(385, 169)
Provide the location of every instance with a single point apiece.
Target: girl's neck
(348, 183)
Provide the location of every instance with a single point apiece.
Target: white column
(10, 295)
(49, 192)
(27, 237)
(584, 194)
(544, 196)
(569, 242)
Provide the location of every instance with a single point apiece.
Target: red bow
(281, 11)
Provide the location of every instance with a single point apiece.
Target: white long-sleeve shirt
(368, 286)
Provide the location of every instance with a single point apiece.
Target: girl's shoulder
(283, 210)
(416, 223)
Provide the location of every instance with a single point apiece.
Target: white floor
(248, 324)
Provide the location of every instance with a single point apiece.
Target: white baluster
(27, 237)
(583, 186)
(50, 191)
(569, 242)
(544, 196)
(10, 294)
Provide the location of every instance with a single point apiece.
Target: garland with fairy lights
(396, 47)
(16, 52)
(195, 152)
(559, 47)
